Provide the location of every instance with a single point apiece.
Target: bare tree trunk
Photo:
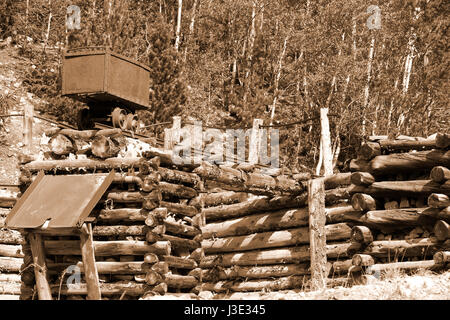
(177, 39)
(366, 90)
(277, 79)
(47, 35)
(191, 27)
(27, 10)
(250, 51)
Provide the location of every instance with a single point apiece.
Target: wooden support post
(255, 137)
(28, 126)
(172, 135)
(317, 219)
(326, 142)
(40, 267)
(90, 268)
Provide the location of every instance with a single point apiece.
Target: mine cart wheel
(119, 118)
(84, 121)
(133, 122)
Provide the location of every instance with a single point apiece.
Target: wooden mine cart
(112, 85)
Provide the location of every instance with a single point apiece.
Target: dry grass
(393, 285)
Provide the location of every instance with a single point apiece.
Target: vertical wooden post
(90, 268)
(316, 206)
(28, 126)
(172, 135)
(40, 267)
(254, 145)
(326, 142)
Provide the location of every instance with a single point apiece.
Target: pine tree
(167, 92)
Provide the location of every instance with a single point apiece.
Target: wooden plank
(90, 268)
(40, 267)
(317, 220)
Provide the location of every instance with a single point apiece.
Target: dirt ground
(11, 136)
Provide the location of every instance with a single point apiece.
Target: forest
(381, 67)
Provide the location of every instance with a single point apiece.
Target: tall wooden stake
(255, 137)
(316, 207)
(90, 268)
(326, 142)
(40, 267)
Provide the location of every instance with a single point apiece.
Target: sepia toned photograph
(224, 154)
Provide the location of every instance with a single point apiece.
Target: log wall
(169, 229)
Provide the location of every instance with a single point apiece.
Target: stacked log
(401, 189)
(262, 242)
(11, 250)
(144, 230)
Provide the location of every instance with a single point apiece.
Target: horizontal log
(9, 264)
(359, 165)
(10, 278)
(271, 256)
(181, 229)
(341, 267)
(342, 213)
(409, 162)
(363, 202)
(442, 230)
(8, 250)
(440, 174)
(411, 188)
(237, 180)
(176, 190)
(218, 198)
(175, 176)
(166, 158)
(282, 219)
(258, 272)
(362, 178)
(361, 234)
(123, 215)
(7, 202)
(405, 265)
(337, 180)
(406, 145)
(254, 206)
(126, 196)
(176, 242)
(272, 239)
(333, 196)
(283, 283)
(108, 248)
(120, 230)
(180, 282)
(180, 263)
(444, 214)
(392, 219)
(443, 140)
(107, 289)
(11, 237)
(362, 260)
(406, 248)
(181, 209)
(7, 288)
(441, 257)
(438, 200)
(86, 164)
(105, 267)
(369, 150)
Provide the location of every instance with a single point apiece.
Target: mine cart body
(100, 77)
